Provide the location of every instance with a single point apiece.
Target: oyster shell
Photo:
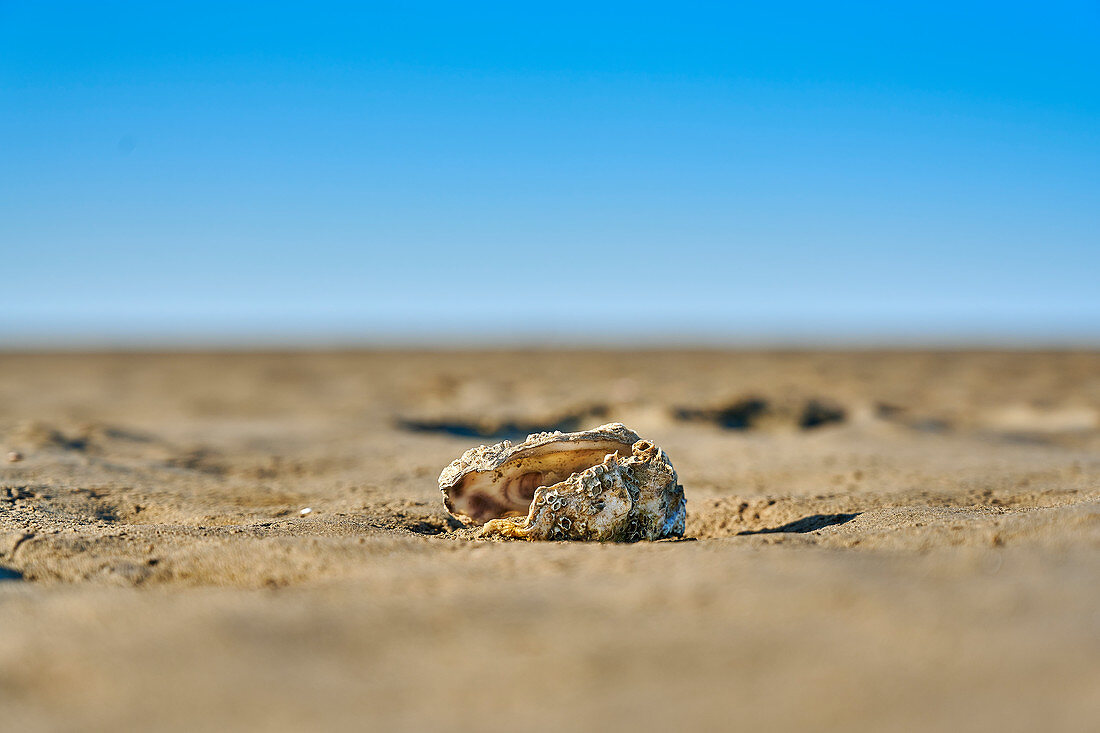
(605, 484)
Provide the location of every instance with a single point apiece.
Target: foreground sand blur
(876, 541)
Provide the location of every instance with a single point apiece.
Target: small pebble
(14, 456)
(305, 511)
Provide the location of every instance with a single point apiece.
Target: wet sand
(889, 541)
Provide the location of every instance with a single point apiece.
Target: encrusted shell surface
(605, 484)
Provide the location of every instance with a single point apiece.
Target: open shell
(605, 484)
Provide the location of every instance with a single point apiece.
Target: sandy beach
(888, 541)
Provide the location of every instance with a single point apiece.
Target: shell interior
(508, 490)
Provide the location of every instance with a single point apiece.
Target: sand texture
(900, 541)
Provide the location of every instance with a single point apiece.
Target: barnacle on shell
(604, 484)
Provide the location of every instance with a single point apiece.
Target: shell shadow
(9, 574)
(806, 524)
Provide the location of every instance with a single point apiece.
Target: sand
(892, 541)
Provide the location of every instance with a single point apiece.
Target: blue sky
(822, 172)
